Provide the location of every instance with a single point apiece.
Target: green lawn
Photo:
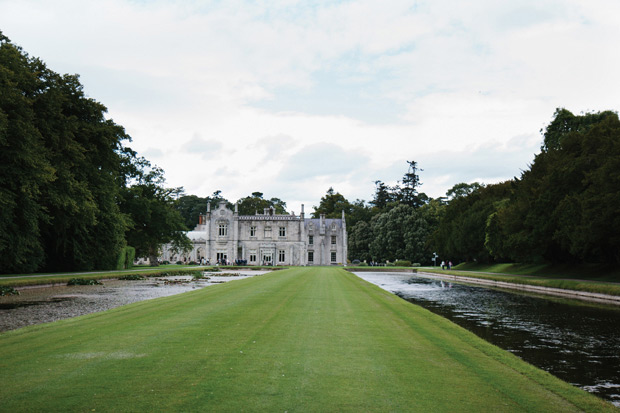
(591, 272)
(63, 278)
(304, 339)
(594, 279)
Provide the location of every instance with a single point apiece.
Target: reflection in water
(577, 342)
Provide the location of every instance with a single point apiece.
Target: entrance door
(267, 258)
(222, 257)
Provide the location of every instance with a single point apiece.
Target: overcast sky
(292, 97)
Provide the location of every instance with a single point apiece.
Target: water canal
(576, 341)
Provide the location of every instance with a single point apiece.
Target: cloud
(207, 149)
(490, 163)
(290, 98)
(152, 153)
(322, 160)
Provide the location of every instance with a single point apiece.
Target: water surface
(42, 304)
(576, 341)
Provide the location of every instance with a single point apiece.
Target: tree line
(564, 208)
(72, 195)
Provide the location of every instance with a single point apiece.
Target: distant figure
(449, 265)
(443, 264)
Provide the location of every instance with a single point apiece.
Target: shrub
(402, 263)
(165, 262)
(125, 258)
(131, 256)
(121, 261)
(363, 264)
(83, 281)
(192, 263)
(4, 290)
(179, 262)
(390, 264)
(416, 264)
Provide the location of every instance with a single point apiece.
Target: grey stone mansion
(264, 239)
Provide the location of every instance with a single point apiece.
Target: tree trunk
(153, 257)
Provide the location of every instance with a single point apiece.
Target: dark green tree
(86, 228)
(255, 203)
(566, 203)
(153, 218)
(63, 166)
(461, 233)
(564, 123)
(389, 234)
(190, 207)
(359, 238)
(462, 189)
(24, 166)
(384, 196)
(332, 204)
(408, 192)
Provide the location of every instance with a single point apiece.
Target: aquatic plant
(83, 281)
(132, 277)
(5, 290)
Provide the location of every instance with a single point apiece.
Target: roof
(328, 222)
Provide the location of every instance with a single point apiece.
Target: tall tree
(383, 196)
(153, 218)
(24, 167)
(332, 204)
(564, 123)
(461, 233)
(408, 193)
(86, 229)
(62, 172)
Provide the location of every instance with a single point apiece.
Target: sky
(290, 98)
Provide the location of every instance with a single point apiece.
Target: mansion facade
(222, 235)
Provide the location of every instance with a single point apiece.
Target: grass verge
(568, 278)
(304, 339)
(65, 278)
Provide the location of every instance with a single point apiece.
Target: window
(222, 229)
(253, 256)
(333, 256)
(333, 226)
(281, 256)
(253, 232)
(333, 240)
(267, 232)
(283, 231)
(310, 256)
(310, 240)
(311, 226)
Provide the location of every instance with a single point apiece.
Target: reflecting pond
(576, 341)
